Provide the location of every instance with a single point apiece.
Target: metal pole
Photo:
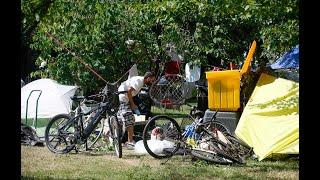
(36, 105)
(37, 110)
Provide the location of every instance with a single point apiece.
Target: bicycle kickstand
(162, 163)
(169, 158)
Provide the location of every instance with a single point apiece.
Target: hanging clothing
(172, 67)
(193, 72)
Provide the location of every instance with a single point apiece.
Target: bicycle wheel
(115, 135)
(160, 133)
(168, 90)
(243, 150)
(226, 150)
(59, 134)
(210, 156)
(215, 125)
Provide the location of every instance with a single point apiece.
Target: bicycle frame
(84, 133)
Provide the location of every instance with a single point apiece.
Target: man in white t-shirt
(127, 106)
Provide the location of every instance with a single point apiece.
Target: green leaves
(202, 31)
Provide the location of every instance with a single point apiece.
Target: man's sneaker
(130, 145)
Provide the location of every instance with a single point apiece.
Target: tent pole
(37, 110)
(36, 106)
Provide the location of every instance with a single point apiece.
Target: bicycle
(64, 132)
(164, 128)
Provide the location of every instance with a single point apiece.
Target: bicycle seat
(77, 98)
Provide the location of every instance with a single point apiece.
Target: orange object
(224, 86)
(246, 64)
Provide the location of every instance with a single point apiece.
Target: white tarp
(193, 72)
(133, 71)
(54, 98)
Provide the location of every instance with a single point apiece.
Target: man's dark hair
(148, 74)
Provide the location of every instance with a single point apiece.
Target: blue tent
(290, 60)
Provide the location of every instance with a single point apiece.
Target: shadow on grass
(280, 164)
(132, 156)
(92, 153)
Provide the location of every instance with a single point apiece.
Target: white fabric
(192, 74)
(133, 71)
(54, 99)
(22, 83)
(136, 82)
(156, 146)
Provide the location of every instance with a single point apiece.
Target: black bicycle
(64, 132)
(207, 144)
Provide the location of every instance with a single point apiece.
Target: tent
(288, 64)
(270, 121)
(290, 60)
(54, 98)
(22, 83)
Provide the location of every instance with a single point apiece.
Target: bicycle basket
(111, 96)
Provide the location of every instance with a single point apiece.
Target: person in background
(127, 106)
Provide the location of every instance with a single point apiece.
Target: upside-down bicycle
(213, 142)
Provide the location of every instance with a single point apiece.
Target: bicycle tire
(224, 150)
(171, 132)
(59, 136)
(244, 150)
(211, 157)
(115, 135)
(220, 127)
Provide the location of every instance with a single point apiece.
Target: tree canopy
(203, 31)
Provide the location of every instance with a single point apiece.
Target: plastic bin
(224, 86)
(224, 90)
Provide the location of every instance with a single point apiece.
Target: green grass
(41, 122)
(39, 127)
(177, 114)
(40, 163)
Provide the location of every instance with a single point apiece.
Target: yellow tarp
(270, 121)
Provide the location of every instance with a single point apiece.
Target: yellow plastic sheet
(270, 121)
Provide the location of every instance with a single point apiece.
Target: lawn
(40, 163)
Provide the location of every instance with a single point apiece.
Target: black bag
(29, 136)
